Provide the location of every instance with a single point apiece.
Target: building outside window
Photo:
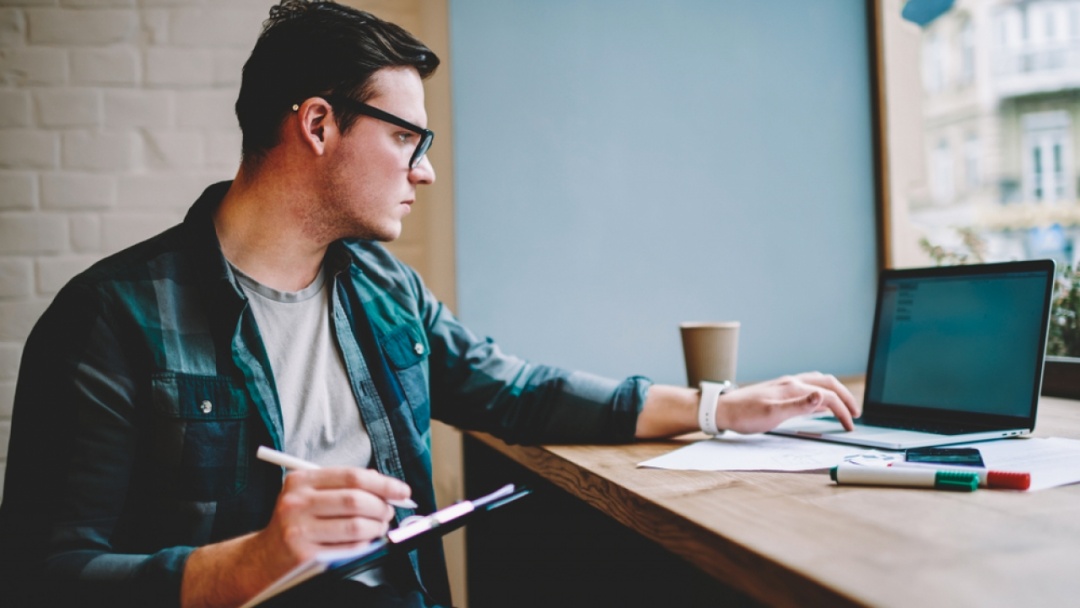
(991, 89)
(1047, 174)
(941, 172)
(972, 161)
(967, 53)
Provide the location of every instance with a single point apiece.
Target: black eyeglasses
(426, 135)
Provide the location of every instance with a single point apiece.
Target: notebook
(956, 355)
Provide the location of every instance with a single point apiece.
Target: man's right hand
(757, 408)
(329, 508)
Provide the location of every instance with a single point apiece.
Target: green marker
(849, 473)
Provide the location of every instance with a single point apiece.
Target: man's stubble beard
(336, 214)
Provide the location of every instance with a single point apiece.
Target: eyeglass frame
(426, 135)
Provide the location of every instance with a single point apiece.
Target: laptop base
(829, 429)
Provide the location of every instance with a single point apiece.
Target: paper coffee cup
(710, 350)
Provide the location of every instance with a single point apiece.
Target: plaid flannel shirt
(145, 390)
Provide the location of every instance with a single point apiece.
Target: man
(271, 316)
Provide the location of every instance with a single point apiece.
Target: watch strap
(710, 393)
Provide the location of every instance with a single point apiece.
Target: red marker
(1001, 480)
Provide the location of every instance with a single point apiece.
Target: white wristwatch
(706, 414)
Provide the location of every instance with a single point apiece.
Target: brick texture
(14, 109)
(17, 317)
(114, 115)
(12, 27)
(54, 272)
(76, 191)
(33, 234)
(9, 361)
(109, 66)
(16, 278)
(69, 107)
(81, 27)
(28, 148)
(32, 66)
(18, 190)
(113, 151)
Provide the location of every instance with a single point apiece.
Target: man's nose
(423, 172)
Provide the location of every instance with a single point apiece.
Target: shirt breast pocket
(407, 354)
(201, 434)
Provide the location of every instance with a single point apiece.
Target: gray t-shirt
(318, 407)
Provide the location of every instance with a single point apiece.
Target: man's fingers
(839, 409)
(354, 478)
(342, 494)
(819, 399)
(830, 382)
(332, 516)
(350, 503)
(340, 530)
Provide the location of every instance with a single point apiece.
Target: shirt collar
(219, 283)
(199, 224)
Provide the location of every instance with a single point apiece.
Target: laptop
(956, 355)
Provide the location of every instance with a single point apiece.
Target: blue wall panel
(622, 166)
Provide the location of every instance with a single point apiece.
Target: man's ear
(315, 123)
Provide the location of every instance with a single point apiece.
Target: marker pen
(1004, 480)
(848, 473)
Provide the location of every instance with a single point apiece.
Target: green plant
(973, 249)
(1064, 339)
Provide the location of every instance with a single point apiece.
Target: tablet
(413, 531)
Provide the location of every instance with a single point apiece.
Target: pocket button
(418, 348)
(206, 407)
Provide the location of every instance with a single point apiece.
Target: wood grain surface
(797, 539)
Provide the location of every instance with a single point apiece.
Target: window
(993, 158)
(934, 65)
(982, 166)
(967, 52)
(1047, 174)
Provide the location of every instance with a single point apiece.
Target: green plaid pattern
(145, 391)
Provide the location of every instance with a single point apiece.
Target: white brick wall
(114, 115)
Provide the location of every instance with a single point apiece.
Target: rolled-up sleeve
(477, 386)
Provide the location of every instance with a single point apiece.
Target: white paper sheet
(735, 452)
(1052, 461)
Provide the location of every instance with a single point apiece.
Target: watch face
(725, 386)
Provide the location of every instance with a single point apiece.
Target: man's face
(368, 186)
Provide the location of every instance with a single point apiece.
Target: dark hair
(317, 47)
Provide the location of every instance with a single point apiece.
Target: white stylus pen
(293, 463)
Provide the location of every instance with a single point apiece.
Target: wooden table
(797, 539)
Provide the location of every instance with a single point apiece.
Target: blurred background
(606, 169)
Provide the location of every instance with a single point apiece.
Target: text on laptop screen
(959, 343)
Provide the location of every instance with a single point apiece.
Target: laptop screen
(966, 339)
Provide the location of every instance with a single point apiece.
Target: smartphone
(965, 457)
